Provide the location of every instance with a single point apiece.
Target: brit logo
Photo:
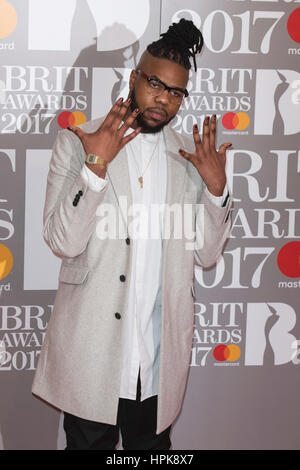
(115, 27)
(277, 107)
(269, 340)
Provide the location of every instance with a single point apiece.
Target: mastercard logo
(8, 19)
(239, 121)
(230, 352)
(68, 118)
(293, 25)
(288, 259)
(6, 261)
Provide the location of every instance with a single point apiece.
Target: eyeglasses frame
(168, 88)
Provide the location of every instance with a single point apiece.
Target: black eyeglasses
(156, 87)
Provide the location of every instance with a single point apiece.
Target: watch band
(95, 159)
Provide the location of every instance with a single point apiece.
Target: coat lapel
(118, 174)
(176, 168)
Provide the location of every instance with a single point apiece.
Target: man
(117, 350)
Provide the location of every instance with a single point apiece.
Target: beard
(146, 128)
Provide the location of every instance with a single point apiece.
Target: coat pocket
(73, 274)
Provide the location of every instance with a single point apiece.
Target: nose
(163, 97)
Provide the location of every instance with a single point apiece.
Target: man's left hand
(209, 162)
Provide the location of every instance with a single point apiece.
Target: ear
(132, 80)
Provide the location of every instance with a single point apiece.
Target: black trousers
(136, 420)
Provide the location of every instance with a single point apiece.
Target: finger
(119, 116)
(77, 131)
(129, 121)
(197, 139)
(222, 150)
(224, 147)
(131, 136)
(188, 156)
(212, 134)
(112, 113)
(205, 137)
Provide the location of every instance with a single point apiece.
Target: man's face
(156, 111)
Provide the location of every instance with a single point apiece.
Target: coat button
(80, 193)
(75, 202)
(122, 278)
(117, 315)
(127, 241)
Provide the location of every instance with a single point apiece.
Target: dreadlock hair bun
(182, 41)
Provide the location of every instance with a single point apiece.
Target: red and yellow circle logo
(239, 121)
(8, 19)
(230, 352)
(293, 25)
(68, 118)
(6, 261)
(288, 259)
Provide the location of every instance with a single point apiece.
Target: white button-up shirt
(142, 317)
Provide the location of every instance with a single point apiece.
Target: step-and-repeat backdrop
(66, 62)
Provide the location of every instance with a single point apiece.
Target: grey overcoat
(79, 369)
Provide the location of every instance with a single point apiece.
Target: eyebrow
(173, 87)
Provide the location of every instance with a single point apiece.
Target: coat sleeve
(213, 225)
(67, 226)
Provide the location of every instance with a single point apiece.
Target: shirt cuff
(218, 200)
(95, 182)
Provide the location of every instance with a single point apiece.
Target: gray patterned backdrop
(66, 62)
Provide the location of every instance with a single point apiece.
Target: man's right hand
(108, 140)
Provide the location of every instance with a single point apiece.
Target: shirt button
(117, 315)
(128, 241)
(122, 278)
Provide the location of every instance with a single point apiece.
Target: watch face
(91, 158)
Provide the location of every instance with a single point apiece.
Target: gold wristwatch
(93, 159)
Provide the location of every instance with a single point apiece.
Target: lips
(157, 114)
